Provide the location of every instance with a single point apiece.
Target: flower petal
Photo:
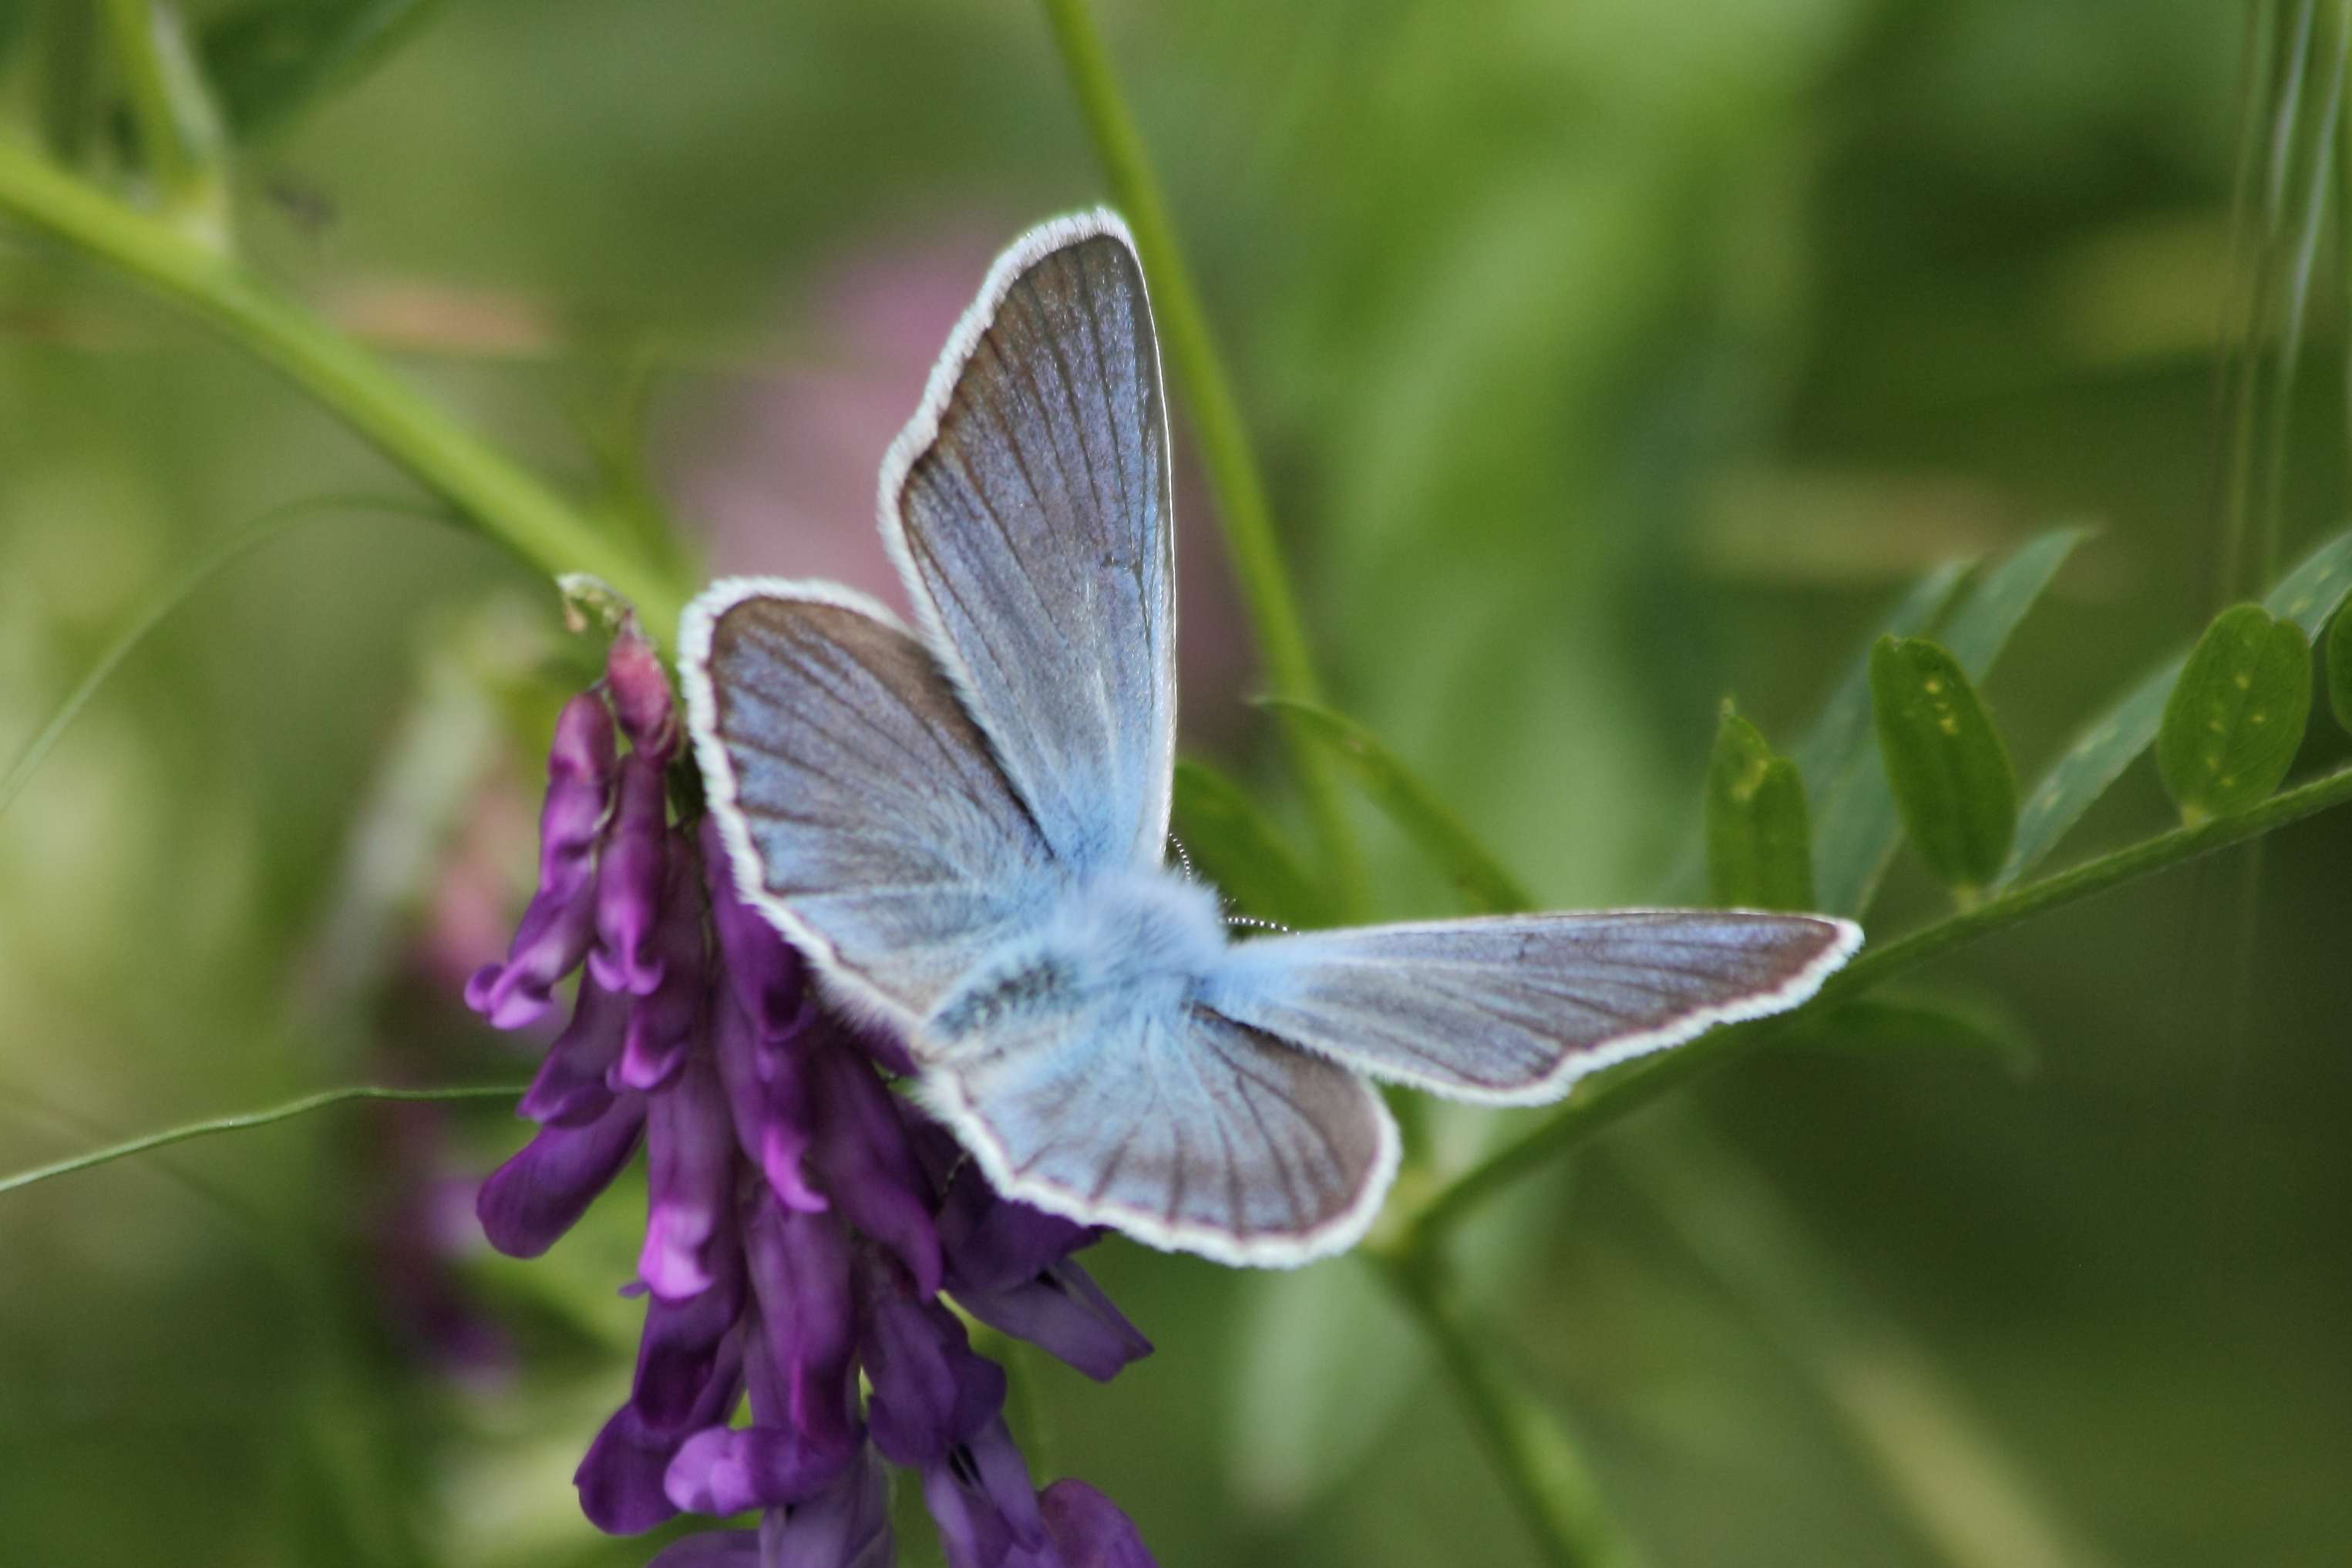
(800, 1266)
(666, 1020)
(690, 1181)
(570, 1089)
(629, 881)
(1063, 1312)
(640, 688)
(527, 1204)
(556, 928)
(868, 1167)
(724, 1470)
(1087, 1530)
(620, 1479)
(848, 1525)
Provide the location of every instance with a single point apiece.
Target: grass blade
(198, 573)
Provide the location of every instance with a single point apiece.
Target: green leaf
(2236, 715)
(1759, 848)
(1949, 773)
(2308, 596)
(1856, 826)
(1238, 850)
(2339, 668)
(1845, 789)
(271, 59)
(1412, 805)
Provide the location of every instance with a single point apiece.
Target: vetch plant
(803, 1220)
(818, 1232)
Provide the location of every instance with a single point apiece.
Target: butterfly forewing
(864, 814)
(1515, 1008)
(1028, 505)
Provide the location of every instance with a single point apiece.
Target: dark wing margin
(1513, 1009)
(1028, 507)
(861, 810)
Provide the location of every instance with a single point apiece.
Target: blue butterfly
(962, 827)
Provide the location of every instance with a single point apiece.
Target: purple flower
(621, 1479)
(1086, 1530)
(640, 689)
(556, 929)
(667, 1017)
(629, 880)
(803, 1220)
(570, 1089)
(846, 1525)
(799, 1265)
(1009, 1265)
(690, 1171)
(527, 1204)
(774, 1462)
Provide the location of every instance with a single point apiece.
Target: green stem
(1217, 424)
(505, 501)
(1603, 1100)
(179, 132)
(1547, 1482)
(242, 1120)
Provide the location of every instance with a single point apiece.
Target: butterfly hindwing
(1028, 507)
(1178, 1126)
(1513, 1009)
(862, 812)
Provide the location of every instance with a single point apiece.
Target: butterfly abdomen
(1118, 941)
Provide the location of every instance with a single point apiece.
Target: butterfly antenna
(1184, 859)
(1252, 923)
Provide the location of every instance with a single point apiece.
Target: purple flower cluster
(805, 1220)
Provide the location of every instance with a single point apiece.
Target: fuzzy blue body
(1116, 945)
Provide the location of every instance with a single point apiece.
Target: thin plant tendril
(194, 576)
(240, 1121)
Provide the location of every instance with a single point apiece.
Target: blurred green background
(1606, 358)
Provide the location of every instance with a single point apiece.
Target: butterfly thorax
(1138, 938)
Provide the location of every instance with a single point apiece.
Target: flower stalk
(504, 500)
(181, 139)
(1225, 453)
(1548, 1480)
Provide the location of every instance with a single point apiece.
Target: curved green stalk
(1217, 424)
(1600, 1101)
(507, 503)
(242, 1120)
(1547, 1482)
(180, 138)
(197, 572)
